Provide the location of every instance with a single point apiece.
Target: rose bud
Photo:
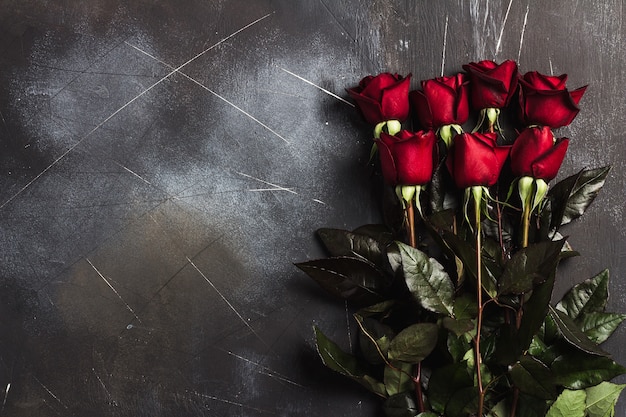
(407, 158)
(491, 85)
(383, 97)
(544, 100)
(442, 101)
(536, 154)
(475, 160)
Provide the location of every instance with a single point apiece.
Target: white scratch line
(348, 326)
(330, 93)
(50, 392)
(319, 201)
(113, 289)
(551, 69)
(225, 401)
(506, 16)
(209, 90)
(71, 148)
(6, 394)
(443, 52)
(521, 39)
(267, 370)
(276, 187)
(101, 383)
(244, 321)
(133, 173)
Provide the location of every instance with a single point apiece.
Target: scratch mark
(6, 394)
(551, 68)
(443, 52)
(102, 123)
(506, 16)
(269, 372)
(230, 402)
(244, 321)
(210, 91)
(113, 289)
(319, 201)
(318, 87)
(275, 187)
(101, 383)
(2, 117)
(133, 173)
(521, 39)
(50, 392)
(348, 326)
(337, 21)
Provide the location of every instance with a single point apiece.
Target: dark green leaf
(534, 378)
(398, 379)
(378, 309)
(344, 363)
(529, 267)
(571, 196)
(379, 232)
(427, 280)
(535, 310)
(374, 339)
(349, 278)
(528, 406)
(462, 402)
(465, 307)
(458, 327)
(343, 243)
(467, 254)
(457, 346)
(568, 404)
(414, 343)
(572, 333)
(589, 296)
(400, 405)
(445, 381)
(601, 399)
(600, 326)
(581, 370)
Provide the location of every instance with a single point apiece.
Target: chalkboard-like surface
(163, 164)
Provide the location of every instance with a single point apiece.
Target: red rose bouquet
(454, 307)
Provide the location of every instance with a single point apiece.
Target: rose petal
(547, 165)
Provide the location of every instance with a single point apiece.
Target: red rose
(475, 160)
(442, 101)
(535, 154)
(545, 101)
(383, 97)
(407, 158)
(491, 85)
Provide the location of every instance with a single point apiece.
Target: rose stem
(410, 215)
(525, 232)
(479, 295)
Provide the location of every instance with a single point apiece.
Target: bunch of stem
(479, 296)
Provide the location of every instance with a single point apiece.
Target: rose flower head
(491, 85)
(476, 160)
(442, 101)
(536, 154)
(545, 100)
(382, 97)
(407, 158)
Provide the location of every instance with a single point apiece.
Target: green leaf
(463, 402)
(589, 296)
(601, 399)
(344, 243)
(535, 311)
(465, 307)
(374, 339)
(600, 326)
(344, 363)
(458, 327)
(378, 309)
(569, 404)
(401, 405)
(445, 381)
(467, 254)
(572, 333)
(534, 378)
(579, 370)
(427, 280)
(398, 378)
(414, 343)
(528, 406)
(571, 196)
(530, 266)
(349, 278)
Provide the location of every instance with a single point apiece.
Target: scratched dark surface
(163, 164)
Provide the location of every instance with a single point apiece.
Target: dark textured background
(163, 164)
